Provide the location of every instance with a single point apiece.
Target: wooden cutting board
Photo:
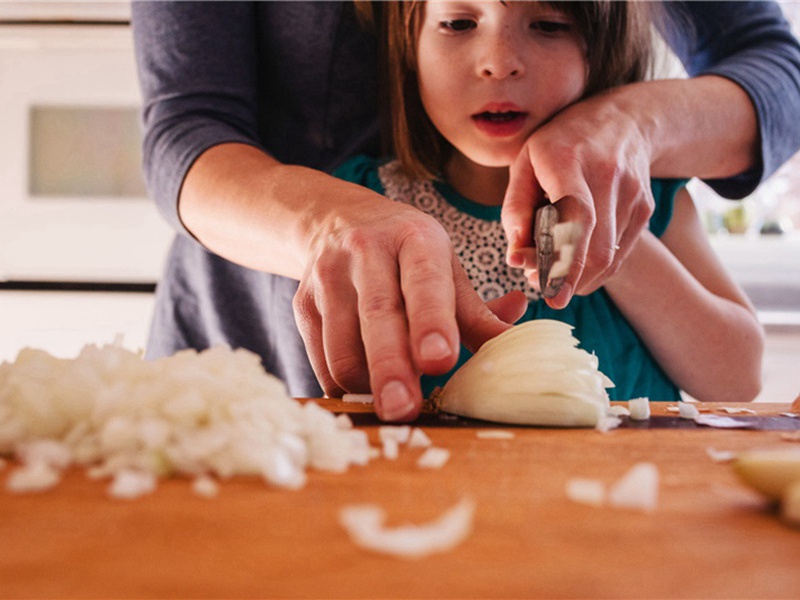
(710, 537)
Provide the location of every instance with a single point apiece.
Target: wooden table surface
(710, 537)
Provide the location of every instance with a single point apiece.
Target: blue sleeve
(750, 43)
(197, 72)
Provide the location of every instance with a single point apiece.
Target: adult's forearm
(245, 206)
(702, 127)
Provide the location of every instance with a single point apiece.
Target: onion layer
(532, 374)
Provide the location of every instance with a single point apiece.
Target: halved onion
(532, 374)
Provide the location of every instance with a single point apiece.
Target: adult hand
(593, 161)
(382, 301)
(382, 296)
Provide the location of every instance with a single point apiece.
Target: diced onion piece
(419, 439)
(359, 398)
(433, 458)
(532, 374)
(205, 486)
(639, 409)
(721, 422)
(586, 491)
(736, 410)
(33, 477)
(618, 410)
(687, 410)
(398, 433)
(343, 421)
(637, 489)
(494, 434)
(391, 449)
(560, 267)
(720, 455)
(365, 526)
(607, 423)
(50, 452)
(565, 232)
(129, 484)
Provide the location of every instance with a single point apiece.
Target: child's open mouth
(499, 117)
(499, 123)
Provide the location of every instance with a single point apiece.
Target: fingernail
(395, 401)
(515, 260)
(434, 346)
(564, 293)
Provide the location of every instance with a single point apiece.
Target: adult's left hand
(593, 161)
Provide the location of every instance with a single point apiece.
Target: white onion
(398, 433)
(33, 477)
(419, 439)
(129, 484)
(391, 449)
(639, 409)
(494, 434)
(215, 412)
(205, 486)
(687, 411)
(433, 458)
(637, 489)
(586, 491)
(365, 525)
(532, 374)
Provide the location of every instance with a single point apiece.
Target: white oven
(73, 207)
(81, 246)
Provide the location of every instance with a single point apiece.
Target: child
(468, 83)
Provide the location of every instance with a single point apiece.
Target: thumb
(509, 307)
(522, 196)
(476, 322)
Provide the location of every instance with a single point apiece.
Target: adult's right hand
(592, 161)
(383, 300)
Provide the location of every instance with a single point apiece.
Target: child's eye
(457, 25)
(550, 27)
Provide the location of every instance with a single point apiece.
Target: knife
(544, 239)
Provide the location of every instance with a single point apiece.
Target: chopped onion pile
(532, 374)
(215, 413)
(365, 525)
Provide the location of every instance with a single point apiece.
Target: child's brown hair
(618, 51)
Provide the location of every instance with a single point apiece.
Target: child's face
(490, 73)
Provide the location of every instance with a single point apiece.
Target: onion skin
(533, 374)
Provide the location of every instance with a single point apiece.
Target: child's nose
(501, 60)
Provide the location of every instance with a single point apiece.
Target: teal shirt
(599, 325)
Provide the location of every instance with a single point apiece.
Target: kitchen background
(81, 247)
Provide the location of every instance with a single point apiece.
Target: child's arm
(693, 317)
